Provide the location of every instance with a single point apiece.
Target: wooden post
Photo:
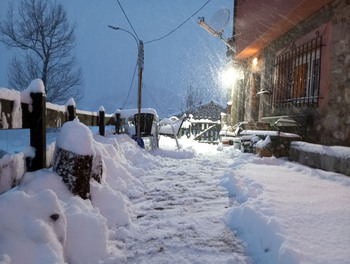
(140, 63)
(75, 171)
(101, 122)
(182, 132)
(38, 131)
(71, 112)
(117, 123)
(199, 130)
(206, 126)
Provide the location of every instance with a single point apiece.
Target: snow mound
(76, 137)
(41, 230)
(48, 224)
(36, 86)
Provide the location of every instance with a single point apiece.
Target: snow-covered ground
(200, 204)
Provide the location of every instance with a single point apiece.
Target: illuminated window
(297, 75)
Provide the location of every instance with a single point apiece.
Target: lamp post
(140, 60)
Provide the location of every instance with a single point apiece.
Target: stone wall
(336, 159)
(328, 124)
(334, 125)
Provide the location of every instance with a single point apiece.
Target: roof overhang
(302, 11)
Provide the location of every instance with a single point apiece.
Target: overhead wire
(132, 81)
(172, 31)
(152, 98)
(133, 76)
(154, 40)
(128, 20)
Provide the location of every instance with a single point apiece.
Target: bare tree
(192, 100)
(41, 30)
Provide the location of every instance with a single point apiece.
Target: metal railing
(297, 75)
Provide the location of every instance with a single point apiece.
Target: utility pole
(140, 60)
(140, 65)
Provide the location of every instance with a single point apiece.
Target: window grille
(297, 75)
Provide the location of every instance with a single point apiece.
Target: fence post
(206, 136)
(199, 130)
(182, 132)
(38, 131)
(71, 109)
(117, 123)
(101, 121)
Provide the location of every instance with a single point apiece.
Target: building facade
(294, 61)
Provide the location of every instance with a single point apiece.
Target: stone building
(294, 61)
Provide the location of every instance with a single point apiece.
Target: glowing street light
(230, 75)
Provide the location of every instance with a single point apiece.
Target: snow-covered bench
(267, 142)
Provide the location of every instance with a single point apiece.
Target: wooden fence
(40, 115)
(203, 129)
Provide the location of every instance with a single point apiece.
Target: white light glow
(229, 76)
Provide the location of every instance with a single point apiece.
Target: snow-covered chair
(146, 121)
(171, 127)
(148, 128)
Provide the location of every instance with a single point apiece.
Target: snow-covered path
(181, 217)
(178, 206)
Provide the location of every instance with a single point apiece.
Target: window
(297, 75)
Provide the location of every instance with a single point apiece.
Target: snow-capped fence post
(101, 121)
(38, 130)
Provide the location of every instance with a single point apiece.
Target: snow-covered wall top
(335, 151)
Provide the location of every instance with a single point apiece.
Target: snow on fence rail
(31, 111)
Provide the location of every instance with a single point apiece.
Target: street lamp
(230, 75)
(139, 44)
